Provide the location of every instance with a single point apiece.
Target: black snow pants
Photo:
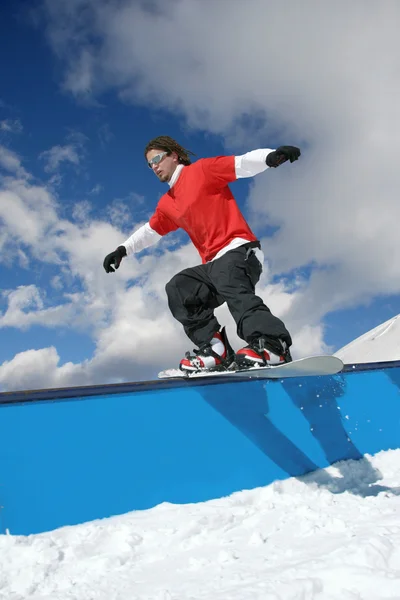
(194, 293)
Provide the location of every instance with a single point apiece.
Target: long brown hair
(168, 144)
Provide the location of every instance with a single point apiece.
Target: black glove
(114, 258)
(281, 155)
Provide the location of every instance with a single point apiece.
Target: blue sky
(80, 98)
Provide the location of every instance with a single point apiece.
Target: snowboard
(310, 366)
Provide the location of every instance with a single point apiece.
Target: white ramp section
(380, 344)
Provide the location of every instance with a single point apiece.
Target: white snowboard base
(310, 366)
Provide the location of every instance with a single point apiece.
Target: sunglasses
(156, 159)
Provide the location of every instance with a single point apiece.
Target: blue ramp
(72, 455)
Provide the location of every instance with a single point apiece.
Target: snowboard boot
(217, 355)
(263, 351)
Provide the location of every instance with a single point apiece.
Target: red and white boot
(263, 352)
(215, 356)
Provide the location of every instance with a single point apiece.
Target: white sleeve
(252, 163)
(142, 238)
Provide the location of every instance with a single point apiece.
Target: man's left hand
(281, 155)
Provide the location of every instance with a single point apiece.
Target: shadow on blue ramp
(280, 432)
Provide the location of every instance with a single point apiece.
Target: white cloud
(105, 135)
(96, 189)
(58, 154)
(125, 314)
(322, 76)
(56, 282)
(11, 126)
(81, 211)
(23, 259)
(28, 213)
(72, 152)
(11, 162)
(80, 79)
(101, 307)
(119, 214)
(26, 307)
(23, 297)
(39, 369)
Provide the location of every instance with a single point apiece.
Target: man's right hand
(114, 259)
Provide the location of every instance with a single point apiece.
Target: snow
(331, 534)
(379, 344)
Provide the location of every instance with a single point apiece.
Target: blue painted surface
(72, 455)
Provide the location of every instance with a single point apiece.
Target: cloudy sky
(86, 83)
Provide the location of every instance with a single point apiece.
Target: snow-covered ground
(331, 535)
(379, 344)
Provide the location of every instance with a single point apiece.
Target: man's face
(165, 165)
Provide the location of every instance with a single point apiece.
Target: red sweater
(201, 203)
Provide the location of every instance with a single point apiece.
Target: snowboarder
(200, 202)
